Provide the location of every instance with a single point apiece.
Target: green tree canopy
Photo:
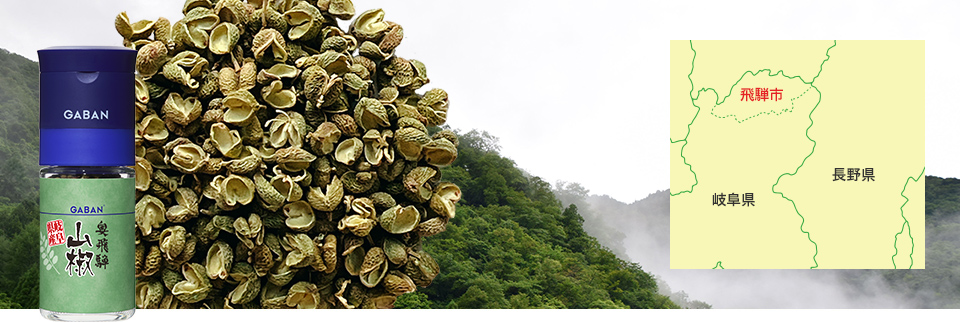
(513, 245)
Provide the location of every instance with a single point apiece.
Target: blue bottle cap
(87, 106)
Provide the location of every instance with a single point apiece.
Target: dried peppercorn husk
(283, 162)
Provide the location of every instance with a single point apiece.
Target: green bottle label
(87, 245)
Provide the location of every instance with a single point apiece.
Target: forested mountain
(638, 232)
(513, 245)
(19, 124)
(19, 137)
(19, 256)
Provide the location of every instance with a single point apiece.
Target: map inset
(797, 154)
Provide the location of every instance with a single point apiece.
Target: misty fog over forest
(640, 231)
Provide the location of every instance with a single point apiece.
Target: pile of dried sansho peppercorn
(284, 162)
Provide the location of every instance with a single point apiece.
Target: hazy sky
(575, 90)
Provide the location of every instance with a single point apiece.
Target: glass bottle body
(54, 205)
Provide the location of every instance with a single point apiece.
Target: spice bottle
(87, 192)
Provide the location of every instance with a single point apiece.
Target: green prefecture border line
(806, 133)
(905, 222)
(684, 140)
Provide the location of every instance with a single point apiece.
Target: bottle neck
(87, 172)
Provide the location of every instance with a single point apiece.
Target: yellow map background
(846, 104)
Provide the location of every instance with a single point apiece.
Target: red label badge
(55, 234)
